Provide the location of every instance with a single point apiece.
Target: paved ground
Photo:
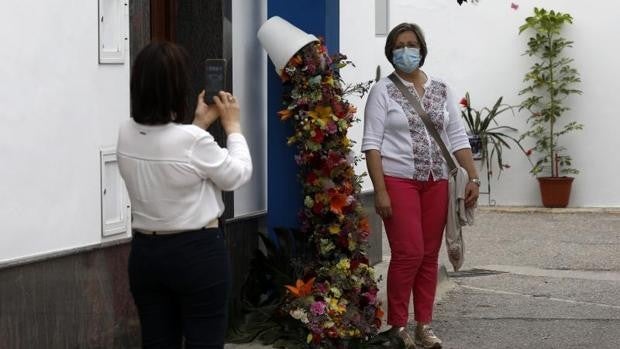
(536, 280)
(531, 280)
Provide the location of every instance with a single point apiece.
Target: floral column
(336, 297)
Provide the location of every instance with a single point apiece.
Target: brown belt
(211, 224)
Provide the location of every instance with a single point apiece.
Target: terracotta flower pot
(555, 191)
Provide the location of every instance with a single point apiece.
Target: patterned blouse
(392, 126)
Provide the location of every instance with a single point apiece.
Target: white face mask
(406, 59)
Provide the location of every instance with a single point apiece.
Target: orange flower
(284, 76)
(285, 114)
(296, 60)
(337, 202)
(363, 224)
(301, 288)
(379, 313)
(378, 316)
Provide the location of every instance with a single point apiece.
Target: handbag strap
(415, 103)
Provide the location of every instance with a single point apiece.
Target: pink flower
(372, 298)
(332, 128)
(514, 6)
(318, 308)
(463, 102)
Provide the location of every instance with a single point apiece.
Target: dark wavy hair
(390, 41)
(160, 85)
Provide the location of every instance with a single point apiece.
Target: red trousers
(415, 231)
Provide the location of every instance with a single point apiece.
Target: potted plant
(550, 81)
(486, 136)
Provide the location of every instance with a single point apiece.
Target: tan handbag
(458, 214)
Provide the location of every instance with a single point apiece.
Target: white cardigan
(392, 127)
(175, 173)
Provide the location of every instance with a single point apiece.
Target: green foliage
(550, 80)
(482, 123)
(256, 315)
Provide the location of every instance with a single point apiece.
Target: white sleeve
(375, 113)
(229, 168)
(457, 136)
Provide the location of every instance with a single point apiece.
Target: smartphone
(215, 78)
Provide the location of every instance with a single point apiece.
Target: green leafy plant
(550, 80)
(482, 123)
(256, 315)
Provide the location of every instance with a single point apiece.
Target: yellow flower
(352, 245)
(344, 264)
(321, 113)
(329, 80)
(334, 229)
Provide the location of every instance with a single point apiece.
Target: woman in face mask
(409, 175)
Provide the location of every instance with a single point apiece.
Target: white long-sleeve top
(175, 173)
(393, 127)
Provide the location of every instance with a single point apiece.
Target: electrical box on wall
(115, 208)
(113, 24)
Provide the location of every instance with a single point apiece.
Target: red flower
(311, 178)
(463, 102)
(339, 110)
(318, 136)
(529, 152)
(317, 209)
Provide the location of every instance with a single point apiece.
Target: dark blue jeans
(180, 285)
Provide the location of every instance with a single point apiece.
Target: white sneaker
(426, 338)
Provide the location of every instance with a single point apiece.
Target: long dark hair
(160, 85)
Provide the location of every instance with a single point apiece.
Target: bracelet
(475, 181)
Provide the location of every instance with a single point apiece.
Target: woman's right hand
(383, 205)
(228, 108)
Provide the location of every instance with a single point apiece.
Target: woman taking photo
(409, 175)
(179, 271)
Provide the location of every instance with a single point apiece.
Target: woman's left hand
(472, 190)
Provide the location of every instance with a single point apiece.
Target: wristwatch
(475, 181)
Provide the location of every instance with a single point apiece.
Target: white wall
(59, 107)
(477, 48)
(250, 86)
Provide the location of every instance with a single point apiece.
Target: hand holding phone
(229, 110)
(215, 78)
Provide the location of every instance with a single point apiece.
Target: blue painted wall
(321, 18)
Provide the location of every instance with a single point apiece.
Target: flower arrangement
(335, 298)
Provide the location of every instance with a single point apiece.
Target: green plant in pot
(550, 81)
(486, 136)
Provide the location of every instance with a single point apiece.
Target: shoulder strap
(415, 103)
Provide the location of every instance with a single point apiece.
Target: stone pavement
(538, 279)
(533, 278)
